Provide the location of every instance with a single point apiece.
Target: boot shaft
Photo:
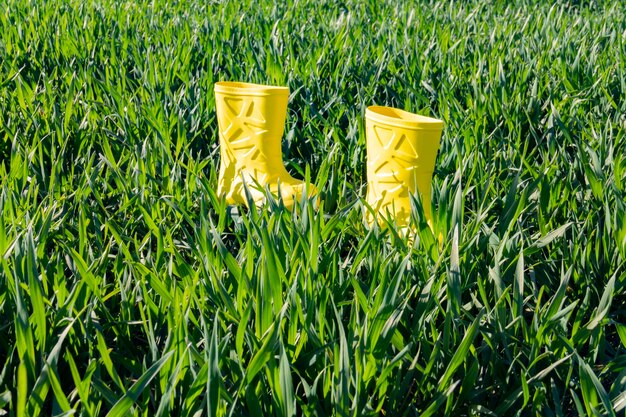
(251, 120)
(401, 152)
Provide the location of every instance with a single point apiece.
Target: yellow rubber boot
(401, 152)
(251, 121)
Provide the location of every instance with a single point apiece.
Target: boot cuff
(401, 118)
(249, 89)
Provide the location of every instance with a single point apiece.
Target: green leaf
(621, 331)
(213, 378)
(121, 407)
(264, 353)
(557, 233)
(461, 352)
(454, 276)
(591, 388)
(439, 400)
(22, 389)
(286, 385)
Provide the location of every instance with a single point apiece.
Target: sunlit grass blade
(122, 406)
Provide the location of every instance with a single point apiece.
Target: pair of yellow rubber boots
(401, 152)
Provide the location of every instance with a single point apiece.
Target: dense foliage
(128, 288)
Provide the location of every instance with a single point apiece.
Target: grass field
(128, 288)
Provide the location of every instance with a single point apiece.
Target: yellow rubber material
(401, 152)
(251, 121)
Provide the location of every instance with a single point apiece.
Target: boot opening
(394, 115)
(236, 87)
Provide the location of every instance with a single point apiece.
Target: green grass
(128, 288)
